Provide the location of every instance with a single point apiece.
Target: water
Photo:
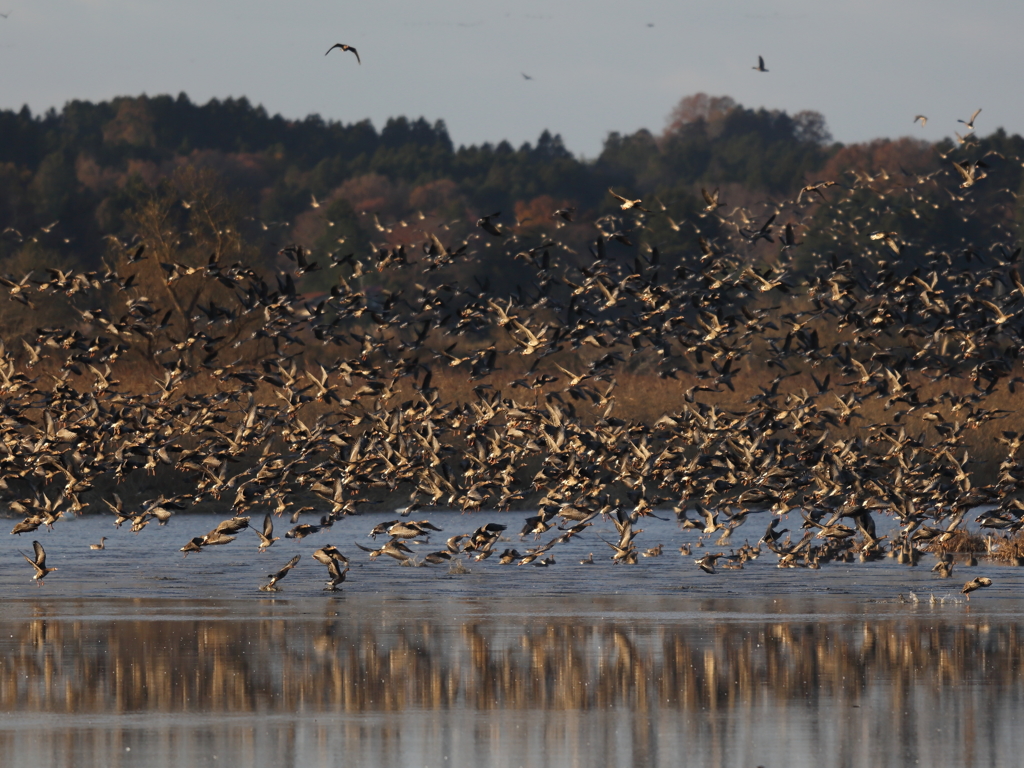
(138, 656)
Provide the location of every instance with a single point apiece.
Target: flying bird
(970, 123)
(627, 203)
(921, 119)
(711, 198)
(276, 577)
(974, 584)
(525, 76)
(345, 48)
(760, 64)
(39, 562)
(970, 172)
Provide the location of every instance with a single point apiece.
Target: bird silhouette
(344, 47)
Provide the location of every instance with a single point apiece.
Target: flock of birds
(311, 405)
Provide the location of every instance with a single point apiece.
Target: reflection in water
(386, 688)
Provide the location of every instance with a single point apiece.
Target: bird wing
(40, 554)
(268, 526)
(964, 171)
(291, 564)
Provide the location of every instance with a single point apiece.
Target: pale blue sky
(869, 66)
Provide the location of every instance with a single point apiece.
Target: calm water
(137, 656)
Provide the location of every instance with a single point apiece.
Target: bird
(707, 563)
(39, 563)
(760, 64)
(271, 586)
(337, 576)
(525, 76)
(711, 198)
(921, 119)
(99, 546)
(976, 584)
(971, 173)
(267, 537)
(979, 583)
(345, 48)
(328, 553)
(627, 204)
(970, 123)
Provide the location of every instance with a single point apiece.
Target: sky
(599, 66)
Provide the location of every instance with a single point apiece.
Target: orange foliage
(537, 212)
(913, 155)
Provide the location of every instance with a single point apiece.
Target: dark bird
(345, 48)
(525, 76)
(760, 64)
(276, 577)
(39, 563)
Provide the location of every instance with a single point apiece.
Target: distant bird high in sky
(760, 64)
(970, 123)
(345, 48)
(922, 119)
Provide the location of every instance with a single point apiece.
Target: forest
(72, 182)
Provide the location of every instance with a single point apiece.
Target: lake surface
(136, 656)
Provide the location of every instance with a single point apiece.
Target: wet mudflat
(138, 656)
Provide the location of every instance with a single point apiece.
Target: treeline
(72, 181)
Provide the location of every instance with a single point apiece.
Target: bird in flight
(627, 203)
(760, 64)
(921, 119)
(38, 562)
(345, 48)
(970, 123)
(525, 76)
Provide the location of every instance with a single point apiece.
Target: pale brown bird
(276, 577)
(337, 576)
(39, 563)
(267, 537)
(711, 198)
(345, 48)
(626, 203)
(99, 546)
(973, 584)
